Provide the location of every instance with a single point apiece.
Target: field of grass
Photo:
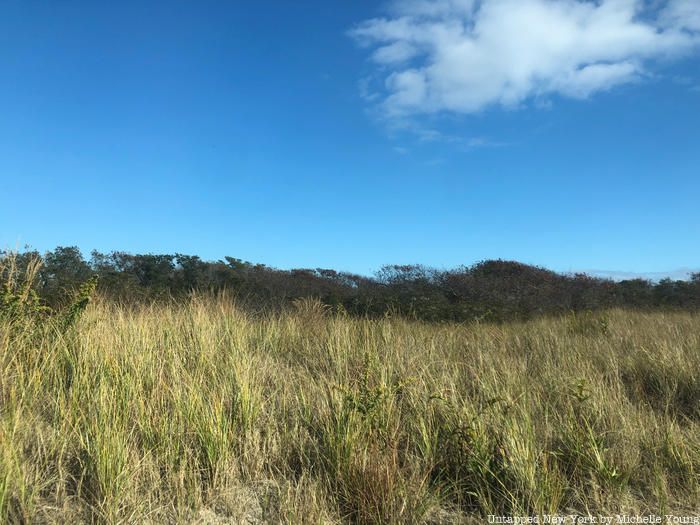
(202, 413)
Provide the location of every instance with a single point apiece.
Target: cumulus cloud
(466, 55)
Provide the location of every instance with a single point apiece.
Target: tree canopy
(494, 290)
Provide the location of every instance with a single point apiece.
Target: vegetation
(201, 411)
(487, 291)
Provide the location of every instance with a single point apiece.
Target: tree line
(492, 290)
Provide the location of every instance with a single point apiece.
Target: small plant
(19, 302)
(366, 398)
(365, 452)
(580, 391)
(71, 315)
(584, 448)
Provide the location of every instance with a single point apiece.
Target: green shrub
(20, 304)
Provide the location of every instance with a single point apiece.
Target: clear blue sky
(354, 134)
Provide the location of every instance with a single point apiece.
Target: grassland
(202, 413)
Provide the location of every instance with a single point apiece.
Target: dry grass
(200, 413)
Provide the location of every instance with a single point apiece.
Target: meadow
(201, 412)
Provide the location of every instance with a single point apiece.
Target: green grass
(201, 413)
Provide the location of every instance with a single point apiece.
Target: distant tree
(63, 270)
(670, 293)
(494, 290)
(154, 272)
(113, 281)
(193, 273)
(638, 293)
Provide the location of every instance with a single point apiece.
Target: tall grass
(201, 413)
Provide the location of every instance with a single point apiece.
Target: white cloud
(679, 274)
(684, 14)
(463, 143)
(465, 55)
(394, 53)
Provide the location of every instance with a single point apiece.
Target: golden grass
(201, 413)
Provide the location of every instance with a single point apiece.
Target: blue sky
(563, 133)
